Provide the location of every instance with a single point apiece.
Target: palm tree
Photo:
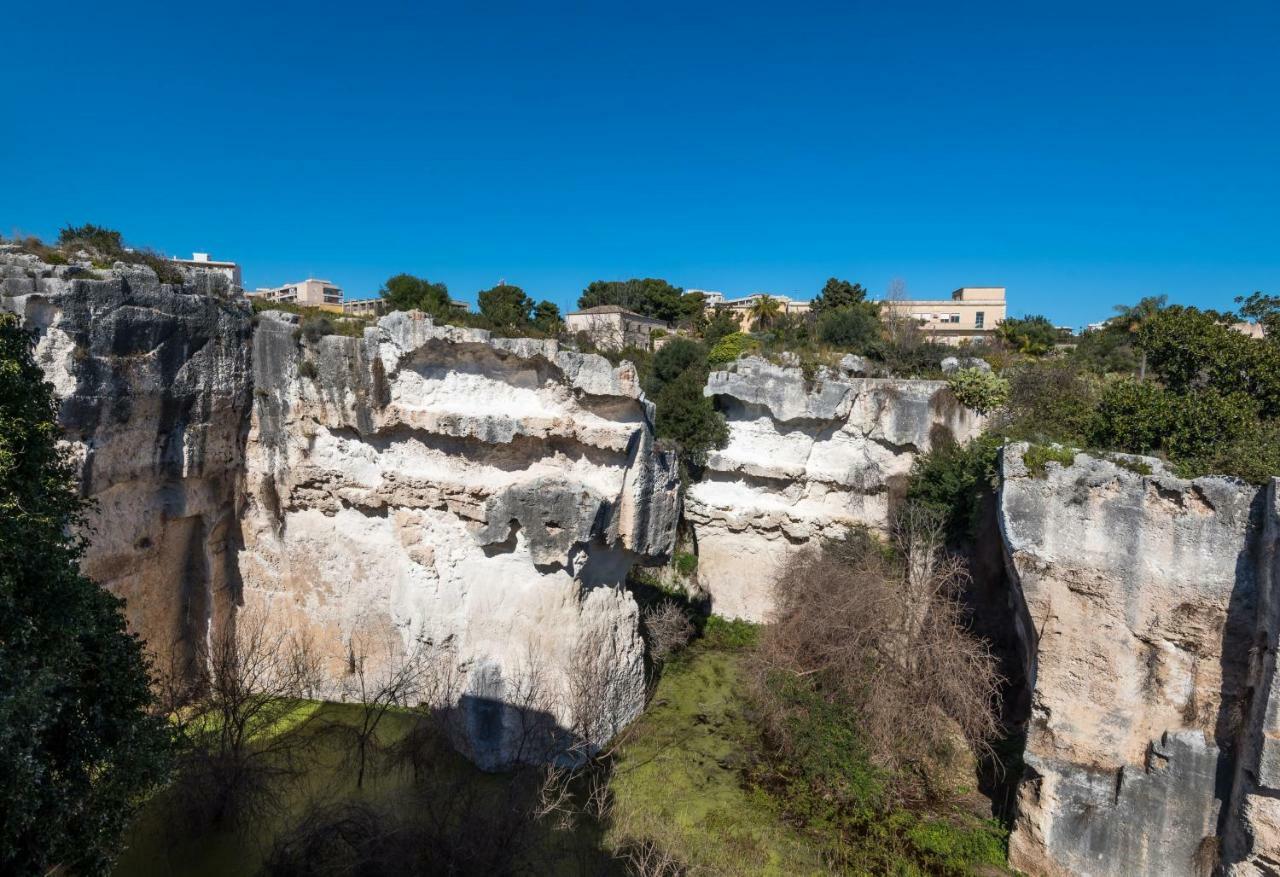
(764, 310)
(1134, 317)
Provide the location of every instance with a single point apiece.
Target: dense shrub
(1132, 416)
(855, 328)
(952, 479)
(980, 390)
(1033, 336)
(1050, 400)
(729, 348)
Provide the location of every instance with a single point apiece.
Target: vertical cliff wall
(154, 382)
(432, 481)
(805, 459)
(1137, 604)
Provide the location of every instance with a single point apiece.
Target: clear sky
(1081, 154)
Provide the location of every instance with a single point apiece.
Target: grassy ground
(678, 780)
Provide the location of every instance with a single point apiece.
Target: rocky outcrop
(1136, 602)
(435, 482)
(154, 382)
(805, 459)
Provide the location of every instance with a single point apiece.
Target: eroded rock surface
(154, 382)
(484, 492)
(805, 459)
(1137, 606)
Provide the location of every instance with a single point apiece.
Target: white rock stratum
(805, 460)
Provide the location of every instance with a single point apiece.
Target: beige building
(310, 293)
(202, 263)
(971, 314)
(372, 307)
(613, 327)
(741, 308)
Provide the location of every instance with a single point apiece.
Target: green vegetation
(953, 479)
(404, 292)
(650, 297)
(1038, 457)
(79, 748)
(107, 246)
(980, 390)
(317, 322)
(730, 347)
(685, 417)
(686, 563)
(1032, 336)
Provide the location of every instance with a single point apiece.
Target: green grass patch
(1037, 458)
(678, 780)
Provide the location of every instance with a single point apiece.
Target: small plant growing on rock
(1038, 457)
(980, 390)
(730, 347)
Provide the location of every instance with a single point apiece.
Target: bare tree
(667, 629)
(883, 632)
(241, 719)
(383, 674)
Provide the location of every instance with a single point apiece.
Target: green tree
(688, 418)
(506, 306)
(1034, 335)
(722, 323)
(404, 292)
(106, 242)
(650, 296)
(765, 310)
(838, 294)
(1264, 310)
(674, 359)
(1109, 350)
(853, 327)
(79, 747)
(546, 317)
(1134, 317)
(1132, 416)
(980, 390)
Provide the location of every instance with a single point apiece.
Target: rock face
(431, 481)
(805, 459)
(154, 383)
(1137, 604)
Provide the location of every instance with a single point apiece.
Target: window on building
(978, 319)
(953, 318)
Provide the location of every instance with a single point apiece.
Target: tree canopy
(506, 305)
(78, 747)
(1034, 335)
(650, 296)
(838, 294)
(404, 292)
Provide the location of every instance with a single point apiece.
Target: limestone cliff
(1136, 602)
(154, 382)
(437, 482)
(805, 459)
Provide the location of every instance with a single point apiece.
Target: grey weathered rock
(154, 383)
(805, 460)
(952, 364)
(1136, 604)
(854, 366)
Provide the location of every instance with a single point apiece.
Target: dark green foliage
(688, 419)
(307, 369)
(106, 241)
(546, 317)
(1038, 457)
(983, 391)
(675, 357)
(78, 749)
(1033, 336)
(316, 326)
(650, 296)
(911, 360)
(855, 328)
(839, 294)
(506, 305)
(1106, 351)
(722, 323)
(404, 292)
(686, 563)
(952, 479)
(729, 633)
(1050, 400)
(1132, 416)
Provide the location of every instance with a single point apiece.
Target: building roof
(614, 309)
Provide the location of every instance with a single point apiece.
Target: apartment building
(310, 293)
(612, 327)
(741, 308)
(971, 314)
(200, 262)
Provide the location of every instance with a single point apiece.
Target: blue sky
(1080, 154)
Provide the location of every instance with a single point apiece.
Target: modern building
(612, 327)
(365, 307)
(310, 293)
(971, 314)
(741, 308)
(201, 262)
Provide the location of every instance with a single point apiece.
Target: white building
(201, 262)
